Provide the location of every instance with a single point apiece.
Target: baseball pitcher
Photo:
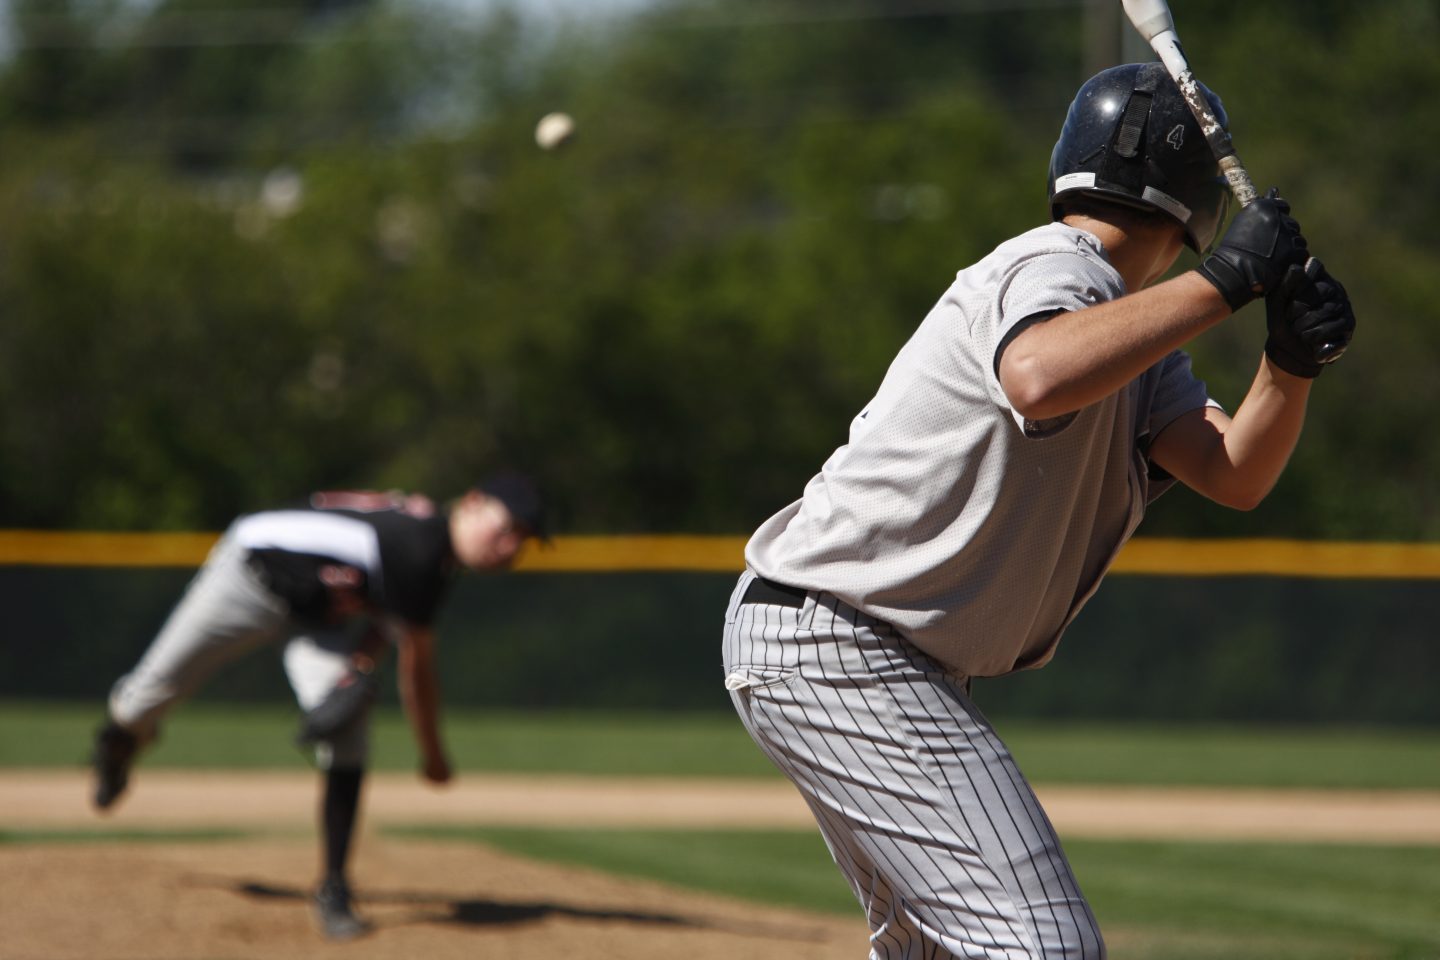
(339, 579)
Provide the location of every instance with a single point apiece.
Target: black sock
(339, 812)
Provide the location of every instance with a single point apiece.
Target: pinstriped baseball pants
(924, 811)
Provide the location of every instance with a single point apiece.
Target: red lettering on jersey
(370, 501)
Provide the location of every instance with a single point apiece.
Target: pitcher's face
(483, 533)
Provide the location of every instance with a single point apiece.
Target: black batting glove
(1262, 242)
(1310, 320)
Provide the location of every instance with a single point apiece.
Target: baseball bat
(1152, 19)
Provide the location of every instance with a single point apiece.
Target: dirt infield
(57, 799)
(238, 900)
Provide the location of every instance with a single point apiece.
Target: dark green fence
(1147, 647)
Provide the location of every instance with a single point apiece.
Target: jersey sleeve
(1038, 289)
(1051, 283)
(1177, 392)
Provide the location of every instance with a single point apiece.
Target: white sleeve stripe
(321, 534)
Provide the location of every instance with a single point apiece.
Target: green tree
(334, 254)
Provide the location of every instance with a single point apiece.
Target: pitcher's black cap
(521, 497)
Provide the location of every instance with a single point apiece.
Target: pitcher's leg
(224, 613)
(315, 662)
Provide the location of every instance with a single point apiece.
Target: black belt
(777, 594)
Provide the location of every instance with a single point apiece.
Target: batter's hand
(1263, 241)
(1310, 320)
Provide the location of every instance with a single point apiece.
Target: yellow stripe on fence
(1333, 559)
(607, 554)
(564, 555)
(47, 549)
(613, 554)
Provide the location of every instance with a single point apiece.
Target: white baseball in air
(553, 130)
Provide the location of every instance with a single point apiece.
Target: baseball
(554, 130)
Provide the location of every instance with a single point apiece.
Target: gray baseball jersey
(974, 532)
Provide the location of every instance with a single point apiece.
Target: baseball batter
(1009, 452)
(338, 578)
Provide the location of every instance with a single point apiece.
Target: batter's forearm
(1260, 439)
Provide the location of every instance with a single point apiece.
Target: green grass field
(1177, 901)
(1173, 901)
(201, 734)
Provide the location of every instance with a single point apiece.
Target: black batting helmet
(1129, 137)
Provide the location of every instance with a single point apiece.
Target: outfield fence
(1244, 630)
(1154, 556)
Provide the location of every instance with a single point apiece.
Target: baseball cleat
(334, 914)
(114, 751)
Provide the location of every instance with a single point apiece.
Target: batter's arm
(1236, 461)
(420, 696)
(1072, 360)
(1077, 358)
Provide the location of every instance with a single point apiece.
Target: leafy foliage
(328, 251)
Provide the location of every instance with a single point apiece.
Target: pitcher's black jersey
(342, 553)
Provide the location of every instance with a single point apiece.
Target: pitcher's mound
(426, 900)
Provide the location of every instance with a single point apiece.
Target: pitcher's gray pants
(225, 612)
(941, 838)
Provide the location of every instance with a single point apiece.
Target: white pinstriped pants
(923, 808)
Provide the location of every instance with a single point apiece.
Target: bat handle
(1159, 30)
(1239, 180)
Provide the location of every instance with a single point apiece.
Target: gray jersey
(974, 532)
